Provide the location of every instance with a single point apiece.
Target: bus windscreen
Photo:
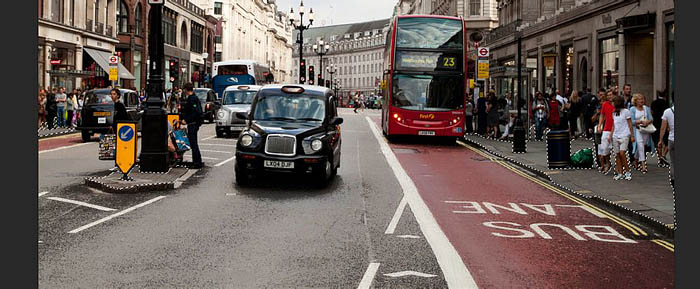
(431, 33)
(428, 92)
(236, 69)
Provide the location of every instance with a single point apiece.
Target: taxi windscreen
(289, 107)
(98, 98)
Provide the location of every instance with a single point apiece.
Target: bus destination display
(428, 61)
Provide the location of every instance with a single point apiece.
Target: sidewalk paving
(45, 132)
(648, 198)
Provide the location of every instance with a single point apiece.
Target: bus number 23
(448, 61)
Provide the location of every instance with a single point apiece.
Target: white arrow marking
(116, 215)
(408, 236)
(84, 204)
(43, 193)
(369, 276)
(409, 273)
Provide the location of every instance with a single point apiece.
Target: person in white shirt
(622, 134)
(561, 99)
(667, 122)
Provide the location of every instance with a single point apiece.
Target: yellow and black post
(127, 141)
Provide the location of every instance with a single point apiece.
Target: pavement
(647, 198)
(44, 132)
(140, 181)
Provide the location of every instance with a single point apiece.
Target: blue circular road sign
(126, 133)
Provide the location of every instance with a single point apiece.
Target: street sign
(113, 59)
(174, 120)
(483, 52)
(126, 146)
(471, 83)
(483, 70)
(114, 73)
(183, 69)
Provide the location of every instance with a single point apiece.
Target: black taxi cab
(291, 129)
(97, 114)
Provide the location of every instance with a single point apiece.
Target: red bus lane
(514, 233)
(59, 141)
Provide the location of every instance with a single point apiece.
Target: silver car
(236, 98)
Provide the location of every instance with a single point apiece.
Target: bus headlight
(316, 144)
(246, 140)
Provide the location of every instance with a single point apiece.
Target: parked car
(236, 98)
(291, 129)
(98, 111)
(210, 104)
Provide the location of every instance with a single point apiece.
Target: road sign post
(113, 69)
(127, 141)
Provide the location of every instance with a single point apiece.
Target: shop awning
(102, 59)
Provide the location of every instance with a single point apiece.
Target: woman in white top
(641, 117)
(621, 134)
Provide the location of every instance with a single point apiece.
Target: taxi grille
(283, 145)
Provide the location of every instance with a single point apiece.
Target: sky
(332, 12)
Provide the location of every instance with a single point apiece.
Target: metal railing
(108, 32)
(100, 28)
(89, 25)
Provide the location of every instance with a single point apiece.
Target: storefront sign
(549, 61)
(55, 61)
(483, 69)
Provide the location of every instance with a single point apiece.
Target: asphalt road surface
(402, 215)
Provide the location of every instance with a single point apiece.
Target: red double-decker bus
(424, 77)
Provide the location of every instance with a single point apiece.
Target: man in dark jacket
(120, 113)
(192, 117)
(51, 107)
(590, 104)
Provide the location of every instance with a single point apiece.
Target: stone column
(78, 63)
(622, 73)
(47, 61)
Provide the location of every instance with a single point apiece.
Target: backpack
(582, 158)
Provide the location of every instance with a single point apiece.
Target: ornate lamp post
(321, 50)
(519, 145)
(299, 25)
(331, 69)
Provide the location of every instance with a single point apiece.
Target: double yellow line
(629, 226)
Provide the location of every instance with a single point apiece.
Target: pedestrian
(192, 117)
(597, 134)
(541, 109)
(554, 113)
(668, 121)
(605, 124)
(627, 94)
(641, 117)
(575, 109)
(481, 114)
(120, 113)
(41, 107)
(469, 114)
(79, 108)
(493, 115)
(658, 107)
(356, 102)
(61, 98)
(51, 108)
(590, 106)
(70, 106)
(622, 134)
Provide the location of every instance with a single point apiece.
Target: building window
(96, 5)
(57, 10)
(218, 7)
(123, 17)
(183, 36)
(41, 62)
(217, 56)
(137, 17)
(72, 13)
(609, 62)
(169, 30)
(474, 7)
(197, 43)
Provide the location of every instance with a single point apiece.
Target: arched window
(123, 17)
(183, 36)
(138, 19)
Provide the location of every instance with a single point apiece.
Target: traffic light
(311, 75)
(302, 71)
(174, 68)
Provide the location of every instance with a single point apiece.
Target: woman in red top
(553, 112)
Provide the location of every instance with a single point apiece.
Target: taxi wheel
(86, 136)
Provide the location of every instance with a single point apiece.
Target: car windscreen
(98, 98)
(428, 92)
(290, 107)
(239, 97)
(202, 95)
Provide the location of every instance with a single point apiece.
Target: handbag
(647, 129)
(107, 149)
(181, 140)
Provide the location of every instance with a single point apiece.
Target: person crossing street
(192, 117)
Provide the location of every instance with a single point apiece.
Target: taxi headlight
(221, 114)
(316, 145)
(246, 140)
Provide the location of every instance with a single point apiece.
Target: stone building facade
(570, 45)
(356, 51)
(255, 30)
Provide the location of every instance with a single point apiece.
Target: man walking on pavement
(590, 104)
(51, 107)
(627, 93)
(61, 107)
(192, 117)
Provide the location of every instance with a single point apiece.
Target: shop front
(97, 61)
(62, 58)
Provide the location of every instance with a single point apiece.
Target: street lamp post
(202, 77)
(519, 145)
(331, 69)
(321, 50)
(154, 148)
(301, 27)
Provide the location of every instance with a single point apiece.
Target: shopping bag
(107, 149)
(582, 158)
(181, 140)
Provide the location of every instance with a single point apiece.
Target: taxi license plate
(426, 132)
(278, 164)
(101, 120)
(101, 113)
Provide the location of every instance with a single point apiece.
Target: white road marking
(231, 194)
(209, 137)
(178, 182)
(213, 151)
(369, 276)
(116, 214)
(409, 273)
(43, 193)
(397, 215)
(84, 204)
(456, 273)
(63, 148)
(408, 236)
(215, 144)
(226, 161)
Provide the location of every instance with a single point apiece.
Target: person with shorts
(622, 134)
(605, 124)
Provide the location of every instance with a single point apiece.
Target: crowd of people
(59, 109)
(619, 121)
(359, 101)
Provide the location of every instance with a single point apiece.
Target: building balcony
(109, 31)
(89, 25)
(100, 28)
